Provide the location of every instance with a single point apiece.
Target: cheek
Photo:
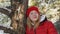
(37, 15)
(31, 16)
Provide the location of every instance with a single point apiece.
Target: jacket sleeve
(51, 28)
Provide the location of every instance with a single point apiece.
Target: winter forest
(13, 14)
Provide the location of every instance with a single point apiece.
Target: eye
(31, 13)
(35, 13)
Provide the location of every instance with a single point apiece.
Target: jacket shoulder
(48, 24)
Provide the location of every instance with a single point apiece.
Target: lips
(34, 17)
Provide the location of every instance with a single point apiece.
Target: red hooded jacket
(45, 27)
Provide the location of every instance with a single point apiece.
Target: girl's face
(33, 16)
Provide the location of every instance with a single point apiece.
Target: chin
(34, 20)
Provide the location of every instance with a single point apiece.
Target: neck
(34, 22)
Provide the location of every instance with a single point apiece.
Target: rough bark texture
(18, 26)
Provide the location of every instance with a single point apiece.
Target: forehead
(33, 11)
